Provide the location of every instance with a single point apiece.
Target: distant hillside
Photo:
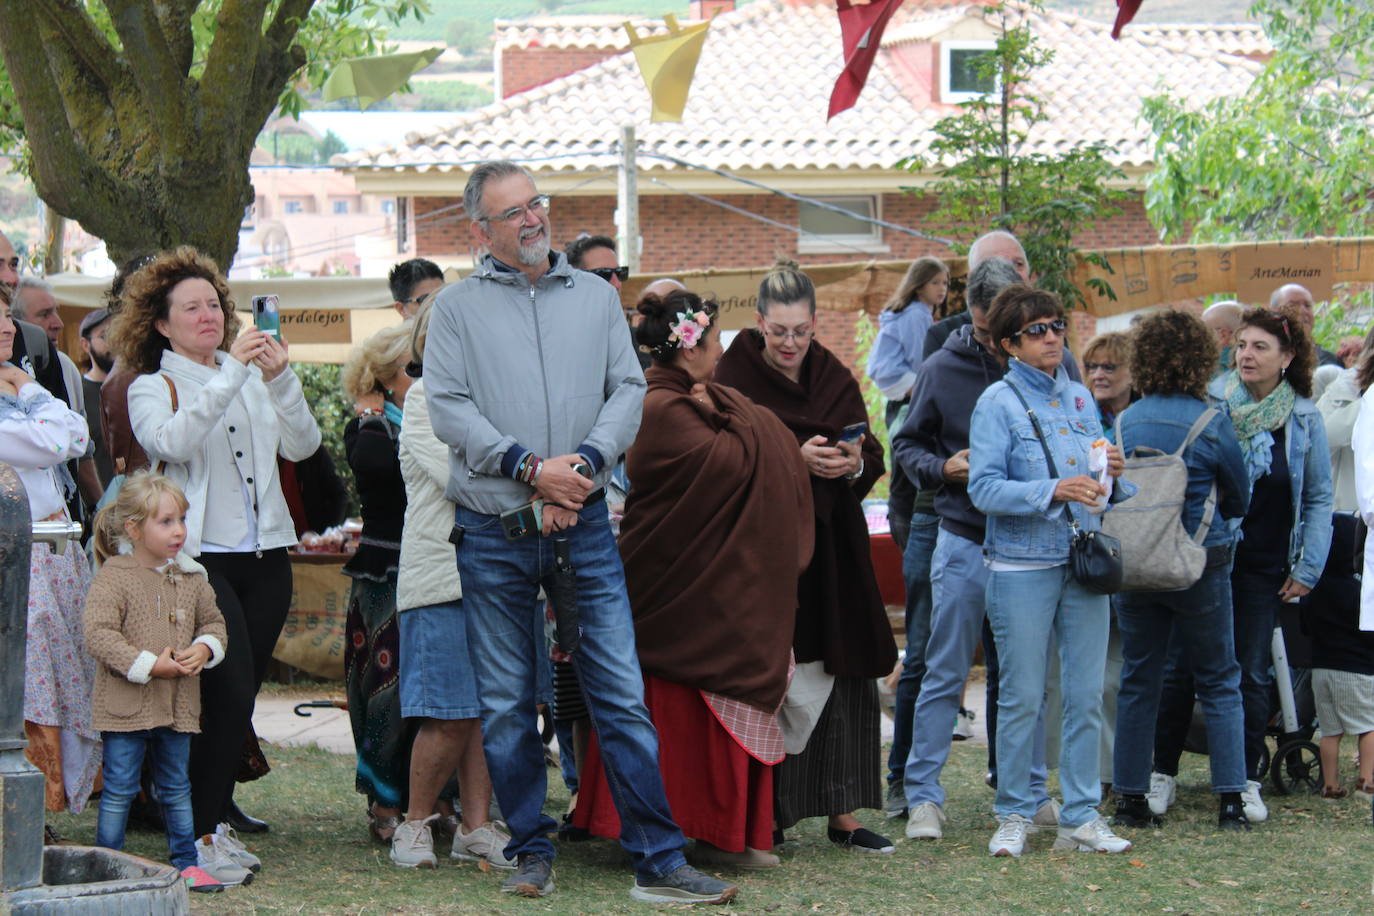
(483, 12)
(1160, 10)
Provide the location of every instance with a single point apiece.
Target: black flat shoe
(1134, 811)
(1232, 817)
(243, 823)
(861, 840)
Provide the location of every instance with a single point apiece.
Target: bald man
(1223, 320)
(9, 262)
(1296, 300)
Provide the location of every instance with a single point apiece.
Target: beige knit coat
(132, 614)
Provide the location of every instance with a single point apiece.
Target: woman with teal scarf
(375, 378)
(1283, 539)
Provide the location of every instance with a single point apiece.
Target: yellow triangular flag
(372, 79)
(667, 63)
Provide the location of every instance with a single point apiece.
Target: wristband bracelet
(369, 412)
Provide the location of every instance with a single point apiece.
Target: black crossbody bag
(1094, 557)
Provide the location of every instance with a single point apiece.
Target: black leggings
(254, 594)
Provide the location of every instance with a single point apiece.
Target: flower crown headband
(684, 333)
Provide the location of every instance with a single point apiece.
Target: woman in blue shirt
(1033, 600)
(1172, 362)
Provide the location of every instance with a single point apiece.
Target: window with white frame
(960, 80)
(825, 230)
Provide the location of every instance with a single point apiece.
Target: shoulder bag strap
(1209, 508)
(172, 390)
(1049, 459)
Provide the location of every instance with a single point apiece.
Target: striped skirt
(841, 769)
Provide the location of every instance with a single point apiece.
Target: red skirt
(716, 791)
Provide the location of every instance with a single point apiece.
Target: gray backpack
(1156, 551)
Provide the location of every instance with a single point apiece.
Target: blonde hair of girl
(138, 499)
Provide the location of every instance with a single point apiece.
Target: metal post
(627, 201)
(21, 784)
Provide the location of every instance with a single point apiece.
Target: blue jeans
(171, 752)
(1198, 620)
(1028, 609)
(506, 639)
(920, 544)
(957, 581)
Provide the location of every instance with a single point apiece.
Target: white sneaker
(1255, 810)
(924, 822)
(225, 838)
(1163, 792)
(412, 845)
(1010, 838)
(963, 724)
(214, 859)
(486, 842)
(1046, 817)
(1094, 836)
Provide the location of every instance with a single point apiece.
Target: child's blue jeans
(170, 751)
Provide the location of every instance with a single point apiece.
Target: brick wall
(681, 233)
(525, 68)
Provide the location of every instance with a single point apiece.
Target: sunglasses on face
(606, 273)
(417, 300)
(1041, 328)
(1108, 368)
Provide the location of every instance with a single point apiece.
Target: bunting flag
(1125, 12)
(372, 79)
(861, 29)
(667, 64)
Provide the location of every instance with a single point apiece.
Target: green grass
(1312, 856)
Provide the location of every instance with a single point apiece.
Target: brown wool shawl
(713, 540)
(841, 619)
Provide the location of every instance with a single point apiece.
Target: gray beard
(530, 255)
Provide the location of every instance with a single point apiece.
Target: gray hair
(477, 183)
(975, 255)
(988, 279)
(18, 310)
(1227, 313)
(1277, 295)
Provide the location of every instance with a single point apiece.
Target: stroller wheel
(1297, 768)
(1264, 760)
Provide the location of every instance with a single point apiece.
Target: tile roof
(573, 31)
(759, 98)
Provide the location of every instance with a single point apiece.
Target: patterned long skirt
(840, 769)
(371, 676)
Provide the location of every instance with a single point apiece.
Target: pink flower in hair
(703, 319)
(689, 334)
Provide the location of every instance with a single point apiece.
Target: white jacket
(1339, 405)
(282, 423)
(1362, 443)
(428, 571)
(37, 433)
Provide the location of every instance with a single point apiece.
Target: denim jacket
(1309, 470)
(1161, 421)
(1008, 478)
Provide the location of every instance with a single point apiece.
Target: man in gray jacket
(534, 385)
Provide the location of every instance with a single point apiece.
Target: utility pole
(627, 201)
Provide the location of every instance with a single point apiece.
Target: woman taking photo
(38, 434)
(716, 532)
(1285, 535)
(842, 640)
(1172, 363)
(216, 408)
(1033, 600)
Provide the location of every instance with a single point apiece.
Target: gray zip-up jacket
(548, 367)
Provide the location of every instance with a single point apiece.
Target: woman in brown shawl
(842, 641)
(714, 537)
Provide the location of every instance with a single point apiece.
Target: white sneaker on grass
(1094, 836)
(1163, 792)
(226, 839)
(963, 724)
(412, 844)
(486, 842)
(925, 822)
(214, 859)
(1010, 838)
(1256, 811)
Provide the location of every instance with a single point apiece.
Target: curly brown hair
(1174, 353)
(1292, 339)
(134, 336)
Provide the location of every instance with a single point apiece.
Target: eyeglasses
(1108, 368)
(536, 206)
(606, 273)
(1041, 328)
(797, 335)
(418, 300)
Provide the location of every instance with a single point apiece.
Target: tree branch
(174, 17)
(229, 78)
(84, 41)
(154, 68)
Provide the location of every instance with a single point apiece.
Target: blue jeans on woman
(506, 641)
(1027, 609)
(171, 752)
(1198, 620)
(920, 544)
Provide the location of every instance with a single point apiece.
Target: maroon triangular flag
(861, 28)
(1125, 12)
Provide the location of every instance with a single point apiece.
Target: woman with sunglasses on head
(842, 641)
(1030, 443)
(1285, 535)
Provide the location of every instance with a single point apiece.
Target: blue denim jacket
(1008, 478)
(1161, 421)
(1309, 469)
